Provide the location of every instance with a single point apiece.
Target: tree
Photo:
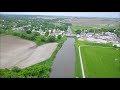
(28, 31)
(51, 38)
(78, 31)
(36, 34)
(43, 38)
(47, 33)
(16, 69)
(115, 46)
(59, 36)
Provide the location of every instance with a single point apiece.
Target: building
(117, 44)
(77, 35)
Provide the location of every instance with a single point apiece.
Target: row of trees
(35, 36)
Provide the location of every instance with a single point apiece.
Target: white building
(49, 32)
(96, 40)
(78, 36)
(117, 44)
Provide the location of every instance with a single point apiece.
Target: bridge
(70, 35)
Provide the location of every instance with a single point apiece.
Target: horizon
(72, 14)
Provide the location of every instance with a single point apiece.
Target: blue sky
(80, 14)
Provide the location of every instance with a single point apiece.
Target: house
(49, 32)
(117, 44)
(77, 35)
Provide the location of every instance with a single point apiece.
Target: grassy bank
(78, 71)
(98, 62)
(93, 44)
(40, 70)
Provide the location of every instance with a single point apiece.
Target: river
(64, 63)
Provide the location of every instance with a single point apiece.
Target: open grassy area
(75, 28)
(40, 70)
(98, 62)
(78, 71)
(93, 44)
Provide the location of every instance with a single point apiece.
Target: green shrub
(47, 33)
(36, 34)
(115, 46)
(28, 31)
(59, 36)
(16, 69)
(38, 40)
(30, 37)
(51, 38)
(15, 33)
(78, 31)
(43, 38)
(23, 35)
(1, 31)
(1, 73)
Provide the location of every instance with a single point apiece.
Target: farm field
(92, 24)
(92, 21)
(98, 62)
(23, 53)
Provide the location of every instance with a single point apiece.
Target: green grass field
(74, 28)
(98, 62)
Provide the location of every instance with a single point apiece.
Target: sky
(79, 14)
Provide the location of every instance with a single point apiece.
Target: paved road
(64, 63)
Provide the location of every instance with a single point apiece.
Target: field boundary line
(83, 73)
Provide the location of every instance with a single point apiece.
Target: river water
(64, 63)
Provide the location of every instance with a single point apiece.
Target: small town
(104, 37)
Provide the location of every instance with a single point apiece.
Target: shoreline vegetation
(40, 70)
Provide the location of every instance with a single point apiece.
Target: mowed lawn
(100, 62)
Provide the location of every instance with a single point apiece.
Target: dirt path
(15, 51)
(81, 63)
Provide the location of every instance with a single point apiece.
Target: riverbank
(40, 70)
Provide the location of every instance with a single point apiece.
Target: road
(64, 63)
